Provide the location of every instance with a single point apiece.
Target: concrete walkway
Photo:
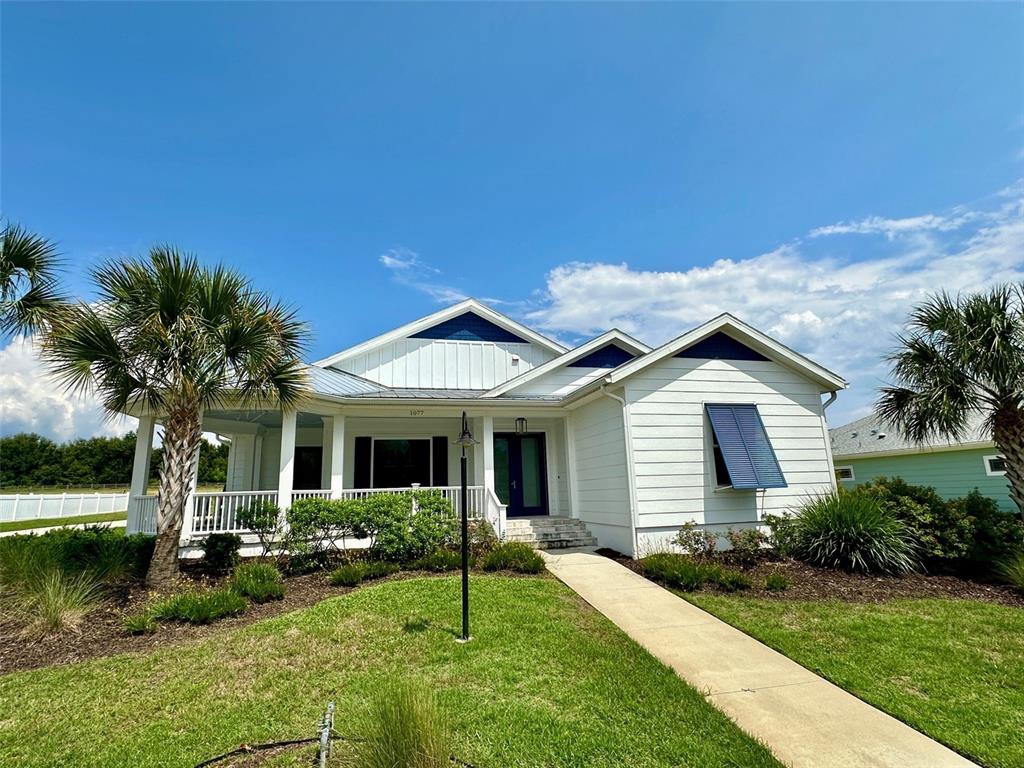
(804, 720)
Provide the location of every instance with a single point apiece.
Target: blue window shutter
(748, 453)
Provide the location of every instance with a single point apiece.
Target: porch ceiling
(268, 419)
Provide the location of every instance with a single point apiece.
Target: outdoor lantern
(464, 440)
(520, 426)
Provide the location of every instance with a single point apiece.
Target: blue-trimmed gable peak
(469, 326)
(609, 356)
(721, 346)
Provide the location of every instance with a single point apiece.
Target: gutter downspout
(828, 440)
(630, 466)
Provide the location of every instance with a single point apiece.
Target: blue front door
(520, 478)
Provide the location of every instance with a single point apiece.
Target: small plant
(775, 582)
(403, 729)
(733, 581)
(513, 556)
(1012, 569)
(348, 575)
(379, 569)
(439, 562)
(680, 571)
(198, 607)
(851, 531)
(747, 543)
(52, 600)
(264, 519)
(482, 538)
(696, 541)
(782, 533)
(260, 582)
(220, 551)
(139, 623)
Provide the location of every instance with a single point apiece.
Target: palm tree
(170, 337)
(29, 295)
(963, 357)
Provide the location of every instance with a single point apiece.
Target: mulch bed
(101, 634)
(807, 582)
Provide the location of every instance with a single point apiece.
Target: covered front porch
(517, 467)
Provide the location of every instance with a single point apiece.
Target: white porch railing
(218, 512)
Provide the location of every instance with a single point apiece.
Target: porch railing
(218, 512)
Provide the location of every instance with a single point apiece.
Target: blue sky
(814, 168)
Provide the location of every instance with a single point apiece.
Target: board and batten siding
(952, 474)
(445, 364)
(601, 475)
(672, 442)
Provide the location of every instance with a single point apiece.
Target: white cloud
(408, 269)
(840, 312)
(893, 228)
(31, 401)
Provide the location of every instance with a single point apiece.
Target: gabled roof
(330, 381)
(418, 326)
(608, 337)
(872, 435)
(747, 334)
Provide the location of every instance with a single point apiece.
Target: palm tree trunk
(1008, 434)
(182, 436)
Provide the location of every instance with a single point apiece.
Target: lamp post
(465, 439)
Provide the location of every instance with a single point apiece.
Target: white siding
(601, 477)
(672, 441)
(443, 364)
(559, 382)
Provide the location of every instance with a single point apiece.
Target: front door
(520, 479)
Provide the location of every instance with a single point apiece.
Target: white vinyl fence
(33, 506)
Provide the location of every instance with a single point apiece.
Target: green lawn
(545, 681)
(953, 669)
(46, 522)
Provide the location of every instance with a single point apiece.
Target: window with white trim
(995, 466)
(845, 473)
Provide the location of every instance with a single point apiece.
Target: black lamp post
(465, 439)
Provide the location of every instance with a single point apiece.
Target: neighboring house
(611, 440)
(870, 448)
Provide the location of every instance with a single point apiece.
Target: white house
(610, 440)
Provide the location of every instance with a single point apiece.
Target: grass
(52, 601)
(953, 669)
(545, 681)
(198, 607)
(51, 522)
(260, 582)
(404, 727)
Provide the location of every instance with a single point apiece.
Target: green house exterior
(951, 473)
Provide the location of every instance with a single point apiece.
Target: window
(398, 463)
(995, 466)
(743, 454)
(845, 473)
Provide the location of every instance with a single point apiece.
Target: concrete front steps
(549, 532)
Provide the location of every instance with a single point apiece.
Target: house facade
(869, 448)
(718, 426)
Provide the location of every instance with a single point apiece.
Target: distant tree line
(31, 459)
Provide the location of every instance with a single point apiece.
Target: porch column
(478, 451)
(140, 469)
(337, 455)
(487, 438)
(326, 443)
(287, 460)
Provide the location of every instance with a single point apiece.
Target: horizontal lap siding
(602, 482)
(672, 446)
(951, 473)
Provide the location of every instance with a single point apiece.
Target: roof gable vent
(469, 326)
(720, 346)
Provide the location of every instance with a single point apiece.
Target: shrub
(997, 535)
(105, 552)
(482, 538)
(396, 534)
(733, 581)
(403, 728)
(260, 582)
(53, 600)
(851, 531)
(263, 518)
(440, 561)
(198, 607)
(378, 569)
(680, 571)
(747, 543)
(1012, 570)
(513, 556)
(782, 533)
(348, 575)
(220, 551)
(775, 582)
(696, 541)
(139, 623)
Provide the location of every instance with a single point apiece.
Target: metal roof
(873, 435)
(330, 381)
(412, 393)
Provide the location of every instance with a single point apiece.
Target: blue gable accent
(748, 453)
(468, 326)
(608, 356)
(719, 346)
